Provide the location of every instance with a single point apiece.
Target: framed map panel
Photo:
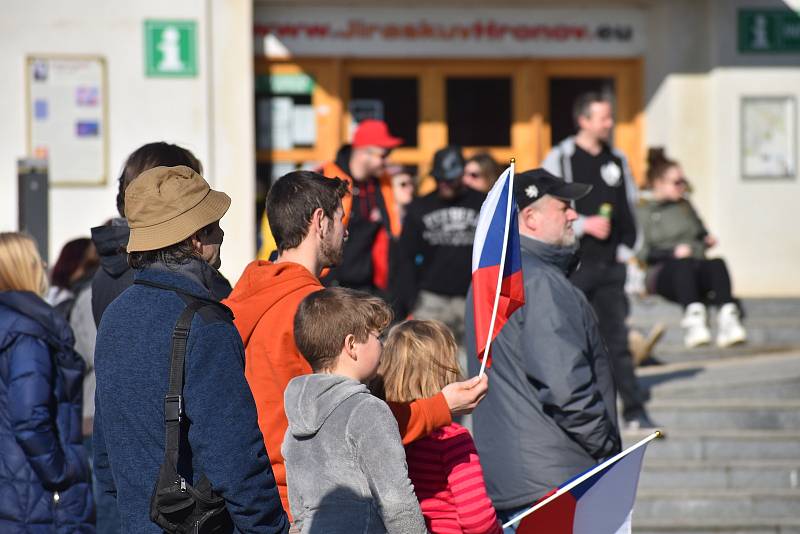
(769, 137)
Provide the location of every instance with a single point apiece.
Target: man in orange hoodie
(305, 214)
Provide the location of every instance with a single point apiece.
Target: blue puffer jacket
(44, 474)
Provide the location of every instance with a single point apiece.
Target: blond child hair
(21, 267)
(419, 359)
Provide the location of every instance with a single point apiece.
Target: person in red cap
(371, 214)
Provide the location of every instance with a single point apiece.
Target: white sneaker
(695, 321)
(730, 327)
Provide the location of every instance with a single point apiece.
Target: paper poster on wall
(769, 137)
(67, 117)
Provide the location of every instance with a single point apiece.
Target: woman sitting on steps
(674, 248)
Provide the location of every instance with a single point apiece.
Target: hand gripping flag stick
(490, 334)
(585, 477)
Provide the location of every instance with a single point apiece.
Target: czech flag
(599, 501)
(497, 284)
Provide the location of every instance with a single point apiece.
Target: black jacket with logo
(435, 248)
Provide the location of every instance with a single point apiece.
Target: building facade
(280, 85)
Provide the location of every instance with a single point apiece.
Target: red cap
(372, 132)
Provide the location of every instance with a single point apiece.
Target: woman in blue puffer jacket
(44, 474)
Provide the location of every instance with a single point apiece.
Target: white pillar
(231, 158)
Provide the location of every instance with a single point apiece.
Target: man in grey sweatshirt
(345, 463)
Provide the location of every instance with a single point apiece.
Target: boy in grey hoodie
(345, 464)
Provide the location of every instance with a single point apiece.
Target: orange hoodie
(264, 302)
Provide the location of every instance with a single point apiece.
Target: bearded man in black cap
(550, 413)
(434, 259)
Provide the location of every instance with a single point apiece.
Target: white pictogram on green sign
(170, 47)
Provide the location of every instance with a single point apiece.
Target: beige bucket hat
(165, 205)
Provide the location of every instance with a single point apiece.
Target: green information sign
(769, 31)
(285, 84)
(170, 48)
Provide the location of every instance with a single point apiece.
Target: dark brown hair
(171, 256)
(73, 256)
(489, 167)
(657, 164)
(584, 102)
(153, 155)
(325, 318)
(294, 198)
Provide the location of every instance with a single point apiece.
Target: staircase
(731, 459)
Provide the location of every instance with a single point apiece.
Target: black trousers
(604, 287)
(690, 280)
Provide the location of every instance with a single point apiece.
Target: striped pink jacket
(448, 480)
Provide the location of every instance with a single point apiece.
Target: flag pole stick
(579, 480)
(502, 268)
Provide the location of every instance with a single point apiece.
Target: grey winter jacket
(550, 413)
(559, 162)
(345, 465)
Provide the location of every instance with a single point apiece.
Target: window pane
(285, 118)
(395, 100)
(479, 111)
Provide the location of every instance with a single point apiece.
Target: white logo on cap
(531, 191)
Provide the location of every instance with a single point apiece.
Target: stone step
(706, 504)
(767, 525)
(763, 376)
(721, 445)
(775, 389)
(684, 356)
(725, 414)
(653, 308)
(744, 474)
(772, 324)
(783, 334)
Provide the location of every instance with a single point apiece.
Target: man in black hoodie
(434, 259)
(114, 274)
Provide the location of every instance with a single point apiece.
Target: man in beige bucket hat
(168, 205)
(174, 248)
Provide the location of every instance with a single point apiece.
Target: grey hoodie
(345, 464)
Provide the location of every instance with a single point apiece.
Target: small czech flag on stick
(497, 284)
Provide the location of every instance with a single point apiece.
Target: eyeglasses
(380, 336)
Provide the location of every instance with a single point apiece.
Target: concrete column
(231, 157)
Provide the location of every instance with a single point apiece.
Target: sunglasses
(382, 153)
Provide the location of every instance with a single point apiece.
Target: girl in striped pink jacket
(419, 359)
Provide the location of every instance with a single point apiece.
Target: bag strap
(173, 400)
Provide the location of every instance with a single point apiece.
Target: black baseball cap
(530, 186)
(448, 164)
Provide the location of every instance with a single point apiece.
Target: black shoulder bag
(177, 506)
